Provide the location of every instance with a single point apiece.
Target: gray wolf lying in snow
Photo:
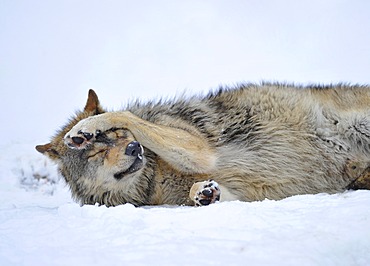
(245, 143)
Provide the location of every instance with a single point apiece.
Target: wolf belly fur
(255, 141)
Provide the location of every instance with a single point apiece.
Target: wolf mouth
(136, 165)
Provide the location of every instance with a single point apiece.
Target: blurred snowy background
(52, 52)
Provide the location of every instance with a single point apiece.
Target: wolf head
(109, 171)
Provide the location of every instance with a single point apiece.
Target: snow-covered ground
(41, 225)
(52, 52)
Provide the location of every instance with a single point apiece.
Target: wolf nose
(133, 149)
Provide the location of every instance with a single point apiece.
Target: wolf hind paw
(205, 193)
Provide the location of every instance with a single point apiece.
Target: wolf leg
(186, 151)
(360, 172)
(363, 182)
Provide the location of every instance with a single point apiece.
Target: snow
(53, 52)
(41, 225)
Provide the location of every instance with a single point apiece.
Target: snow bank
(41, 225)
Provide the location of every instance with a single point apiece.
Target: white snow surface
(41, 225)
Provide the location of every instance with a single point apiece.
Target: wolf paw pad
(205, 193)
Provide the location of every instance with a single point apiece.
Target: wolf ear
(48, 150)
(93, 104)
(43, 148)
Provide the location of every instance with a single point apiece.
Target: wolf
(249, 142)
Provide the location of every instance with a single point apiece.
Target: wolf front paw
(205, 193)
(80, 140)
(83, 133)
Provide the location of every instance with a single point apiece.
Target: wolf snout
(134, 149)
